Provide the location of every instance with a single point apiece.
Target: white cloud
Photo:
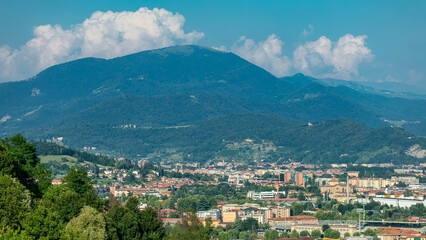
(104, 34)
(344, 56)
(267, 54)
(307, 31)
(320, 58)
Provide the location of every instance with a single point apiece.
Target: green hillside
(331, 141)
(74, 87)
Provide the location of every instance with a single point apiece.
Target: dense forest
(32, 208)
(330, 141)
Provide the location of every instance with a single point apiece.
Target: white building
(398, 201)
(213, 214)
(264, 195)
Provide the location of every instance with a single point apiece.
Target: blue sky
(390, 35)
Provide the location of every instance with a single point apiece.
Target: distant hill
(181, 86)
(328, 141)
(166, 110)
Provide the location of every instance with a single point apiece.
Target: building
(400, 234)
(264, 195)
(371, 183)
(292, 220)
(342, 228)
(277, 212)
(229, 216)
(398, 201)
(212, 214)
(297, 178)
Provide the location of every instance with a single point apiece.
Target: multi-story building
(264, 195)
(297, 178)
(398, 201)
(342, 228)
(277, 212)
(212, 213)
(229, 216)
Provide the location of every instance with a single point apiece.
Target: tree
(249, 224)
(89, 224)
(133, 204)
(325, 227)
(316, 233)
(14, 203)
(341, 208)
(78, 181)
(44, 223)
(294, 234)
(304, 233)
(347, 235)
(297, 208)
(130, 223)
(245, 235)
(233, 234)
(270, 235)
(151, 226)
(18, 159)
(64, 201)
(370, 232)
(190, 228)
(330, 233)
(301, 196)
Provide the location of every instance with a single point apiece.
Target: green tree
(44, 223)
(325, 227)
(284, 235)
(297, 208)
(151, 226)
(89, 224)
(18, 159)
(370, 232)
(270, 235)
(249, 224)
(78, 181)
(14, 203)
(294, 234)
(64, 201)
(190, 228)
(304, 233)
(347, 235)
(316, 233)
(245, 235)
(330, 233)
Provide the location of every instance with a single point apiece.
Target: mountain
(177, 87)
(247, 137)
(169, 110)
(389, 89)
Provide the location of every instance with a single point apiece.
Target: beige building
(342, 228)
(230, 216)
(400, 234)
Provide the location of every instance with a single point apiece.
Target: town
(292, 200)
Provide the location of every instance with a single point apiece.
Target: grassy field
(63, 159)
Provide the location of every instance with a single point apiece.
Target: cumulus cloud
(105, 34)
(320, 58)
(344, 56)
(267, 54)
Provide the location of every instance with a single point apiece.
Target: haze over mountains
(182, 90)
